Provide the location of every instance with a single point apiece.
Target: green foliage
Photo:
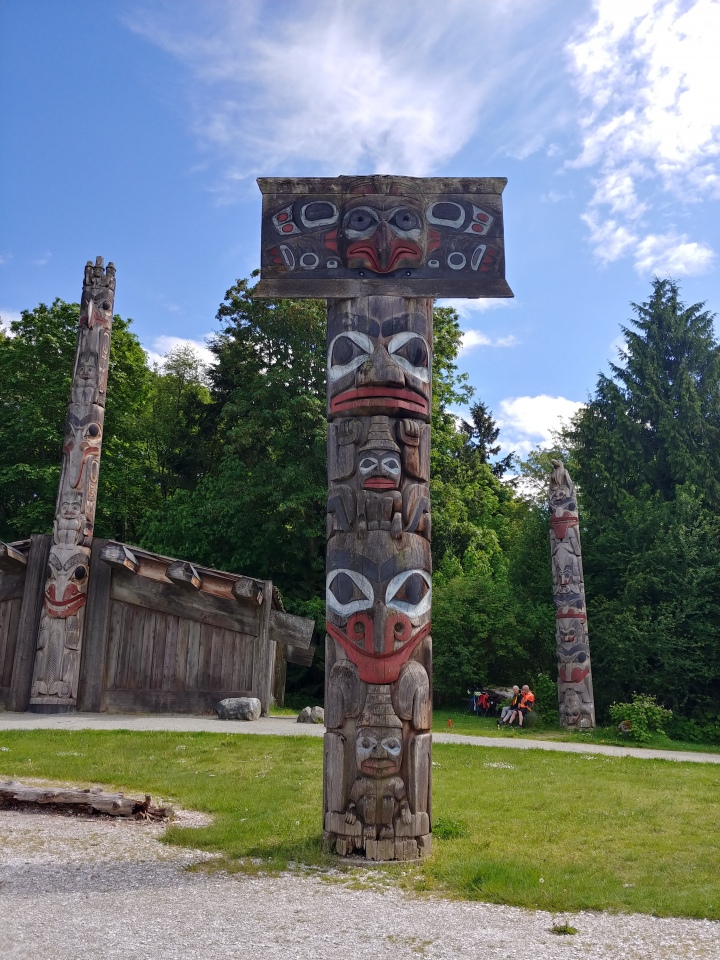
(644, 716)
(36, 366)
(546, 697)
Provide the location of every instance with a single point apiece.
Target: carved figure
(55, 674)
(573, 647)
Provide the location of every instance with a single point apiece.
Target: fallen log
(93, 801)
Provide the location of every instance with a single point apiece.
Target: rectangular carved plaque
(381, 235)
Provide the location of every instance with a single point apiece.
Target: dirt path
(102, 890)
(287, 727)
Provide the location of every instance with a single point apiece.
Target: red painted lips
(69, 604)
(379, 483)
(381, 399)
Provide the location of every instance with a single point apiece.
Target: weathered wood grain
(9, 619)
(171, 640)
(193, 657)
(184, 574)
(339, 185)
(97, 625)
(266, 651)
(471, 289)
(12, 559)
(119, 555)
(287, 628)
(167, 701)
(168, 599)
(12, 585)
(29, 623)
(82, 801)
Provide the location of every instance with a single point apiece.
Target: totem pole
(575, 692)
(380, 248)
(57, 661)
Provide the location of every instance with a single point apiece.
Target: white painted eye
(410, 593)
(367, 464)
(477, 255)
(391, 463)
(347, 352)
(445, 213)
(392, 746)
(308, 261)
(411, 352)
(318, 213)
(405, 222)
(347, 592)
(360, 222)
(456, 260)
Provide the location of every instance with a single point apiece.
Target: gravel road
(102, 889)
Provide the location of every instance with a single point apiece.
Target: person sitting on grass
(509, 711)
(527, 699)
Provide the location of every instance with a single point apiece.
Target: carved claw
(350, 815)
(396, 527)
(406, 814)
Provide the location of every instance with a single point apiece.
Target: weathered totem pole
(57, 660)
(380, 248)
(575, 692)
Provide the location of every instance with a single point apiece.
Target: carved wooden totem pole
(575, 691)
(380, 248)
(57, 661)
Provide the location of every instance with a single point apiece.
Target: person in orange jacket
(527, 699)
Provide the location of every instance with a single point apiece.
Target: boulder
(311, 715)
(238, 708)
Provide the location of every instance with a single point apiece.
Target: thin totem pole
(380, 248)
(57, 660)
(575, 691)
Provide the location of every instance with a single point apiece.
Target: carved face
(379, 469)
(86, 371)
(71, 506)
(378, 751)
(571, 708)
(66, 586)
(383, 234)
(96, 307)
(380, 365)
(378, 612)
(83, 438)
(573, 664)
(571, 631)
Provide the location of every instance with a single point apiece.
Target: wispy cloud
(647, 72)
(4, 258)
(343, 87)
(43, 259)
(526, 422)
(476, 338)
(165, 343)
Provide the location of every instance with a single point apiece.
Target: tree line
(225, 465)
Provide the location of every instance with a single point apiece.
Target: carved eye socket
(367, 464)
(80, 573)
(361, 219)
(393, 746)
(410, 593)
(347, 352)
(411, 352)
(348, 592)
(391, 464)
(93, 430)
(105, 304)
(366, 743)
(405, 219)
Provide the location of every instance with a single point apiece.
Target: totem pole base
(52, 708)
(356, 849)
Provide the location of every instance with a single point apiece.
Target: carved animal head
(66, 586)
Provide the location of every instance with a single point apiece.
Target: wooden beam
(184, 574)
(303, 658)
(12, 585)
(166, 598)
(248, 589)
(264, 661)
(12, 559)
(29, 624)
(119, 556)
(287, 628)
(97, 622)
(468, 288)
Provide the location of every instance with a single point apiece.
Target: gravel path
(288, 727)
(101, 889)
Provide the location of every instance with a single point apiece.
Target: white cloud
(476, 338)
(673, 254)
(368, 86)
(43, 259)
(526, 422)
(6, 318)
(465, 308)
(163, 344)
(648, 73)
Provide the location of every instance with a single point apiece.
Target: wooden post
(60, 634)
(575, 690)
(266, 651)
(380, 248)
(97, 623)
(32, 604)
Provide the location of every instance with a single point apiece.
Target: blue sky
(135, 130)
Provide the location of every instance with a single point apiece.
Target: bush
(643, 717)
(546, 698)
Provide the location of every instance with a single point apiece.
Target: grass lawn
(556, 831)
(470, 725)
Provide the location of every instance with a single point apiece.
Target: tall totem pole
(57, 661)
(575, 692)
(380, 248)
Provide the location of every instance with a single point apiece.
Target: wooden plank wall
(156, 660)
(11, 591)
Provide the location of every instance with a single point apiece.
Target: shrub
(546, 698)
(643, 717)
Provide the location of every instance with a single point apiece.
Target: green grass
(469, 725)
(562, 832)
